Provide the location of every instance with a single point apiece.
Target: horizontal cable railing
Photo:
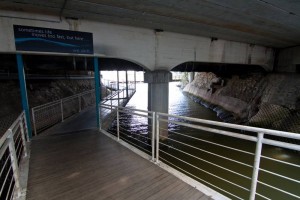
(122, 129)
(202, 148)
(13, 147)
(49, 114)
(234, 160)
(114, 84)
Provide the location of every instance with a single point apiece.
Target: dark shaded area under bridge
(49, 64)
(218, 68)
(53, 64)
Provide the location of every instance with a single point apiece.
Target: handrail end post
(257, 158)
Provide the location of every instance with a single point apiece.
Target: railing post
(26, 128)
(153, 136)
(157, 138)
(14, 163)
(118, 124)
(33, 121)
(62, 110)
(126, 77)
(118, 88)
(111, 103)
(23, 137)
(256, 165)
(79, 103)
(134, 80)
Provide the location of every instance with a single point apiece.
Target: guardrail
(114, 84)
(142, 137)
(12, 149)
(233, 160)
(107, 111)
(49, 114)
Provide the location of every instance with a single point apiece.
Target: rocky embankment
(268, 101)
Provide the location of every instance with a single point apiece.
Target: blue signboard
(29, 38)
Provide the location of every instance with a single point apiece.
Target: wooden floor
(89, 165)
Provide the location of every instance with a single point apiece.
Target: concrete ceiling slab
(272, 23)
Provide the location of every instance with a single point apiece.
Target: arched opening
(53, 77)
(218, 68)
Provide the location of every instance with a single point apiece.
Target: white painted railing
(49, 114)
(228, 159)
(142, 138)
(13, 147)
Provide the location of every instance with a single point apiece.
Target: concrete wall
(288, 59)
(163, 50)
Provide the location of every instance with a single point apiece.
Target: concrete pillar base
(158, 94)
(191, 76)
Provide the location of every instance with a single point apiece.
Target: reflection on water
(134, 128)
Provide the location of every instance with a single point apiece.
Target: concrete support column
(191, 76)
(158, 93)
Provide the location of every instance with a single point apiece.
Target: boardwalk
(89, 165)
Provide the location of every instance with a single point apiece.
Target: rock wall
(268, 101)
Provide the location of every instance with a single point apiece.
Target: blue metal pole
(24, 98)
(97, 89)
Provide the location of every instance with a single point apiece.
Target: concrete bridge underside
(147, 48)
(161, 35)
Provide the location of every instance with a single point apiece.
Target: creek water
(178, 155)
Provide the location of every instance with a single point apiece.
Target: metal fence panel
(12, 149)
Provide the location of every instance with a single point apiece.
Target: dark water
(136, 128)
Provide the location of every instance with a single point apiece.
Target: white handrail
(14, 142)
(257, 137)
(160, 149)
(236, 126)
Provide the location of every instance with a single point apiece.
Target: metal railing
(49, 114)
(108, 111)
(142, 137)
(13, 148)
(111, 84)
(114, 84)
(232, 160)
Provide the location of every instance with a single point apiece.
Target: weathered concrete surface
(154, 51)
(158, 90)
(266, 22)
(191, 76)
(289, 60)
(158, 94)
(269, 101)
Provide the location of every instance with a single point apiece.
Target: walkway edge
(197, 185)
(135, 150)
(24, 173)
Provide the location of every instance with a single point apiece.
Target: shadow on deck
(70, 164)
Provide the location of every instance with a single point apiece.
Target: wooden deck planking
(88, 165)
